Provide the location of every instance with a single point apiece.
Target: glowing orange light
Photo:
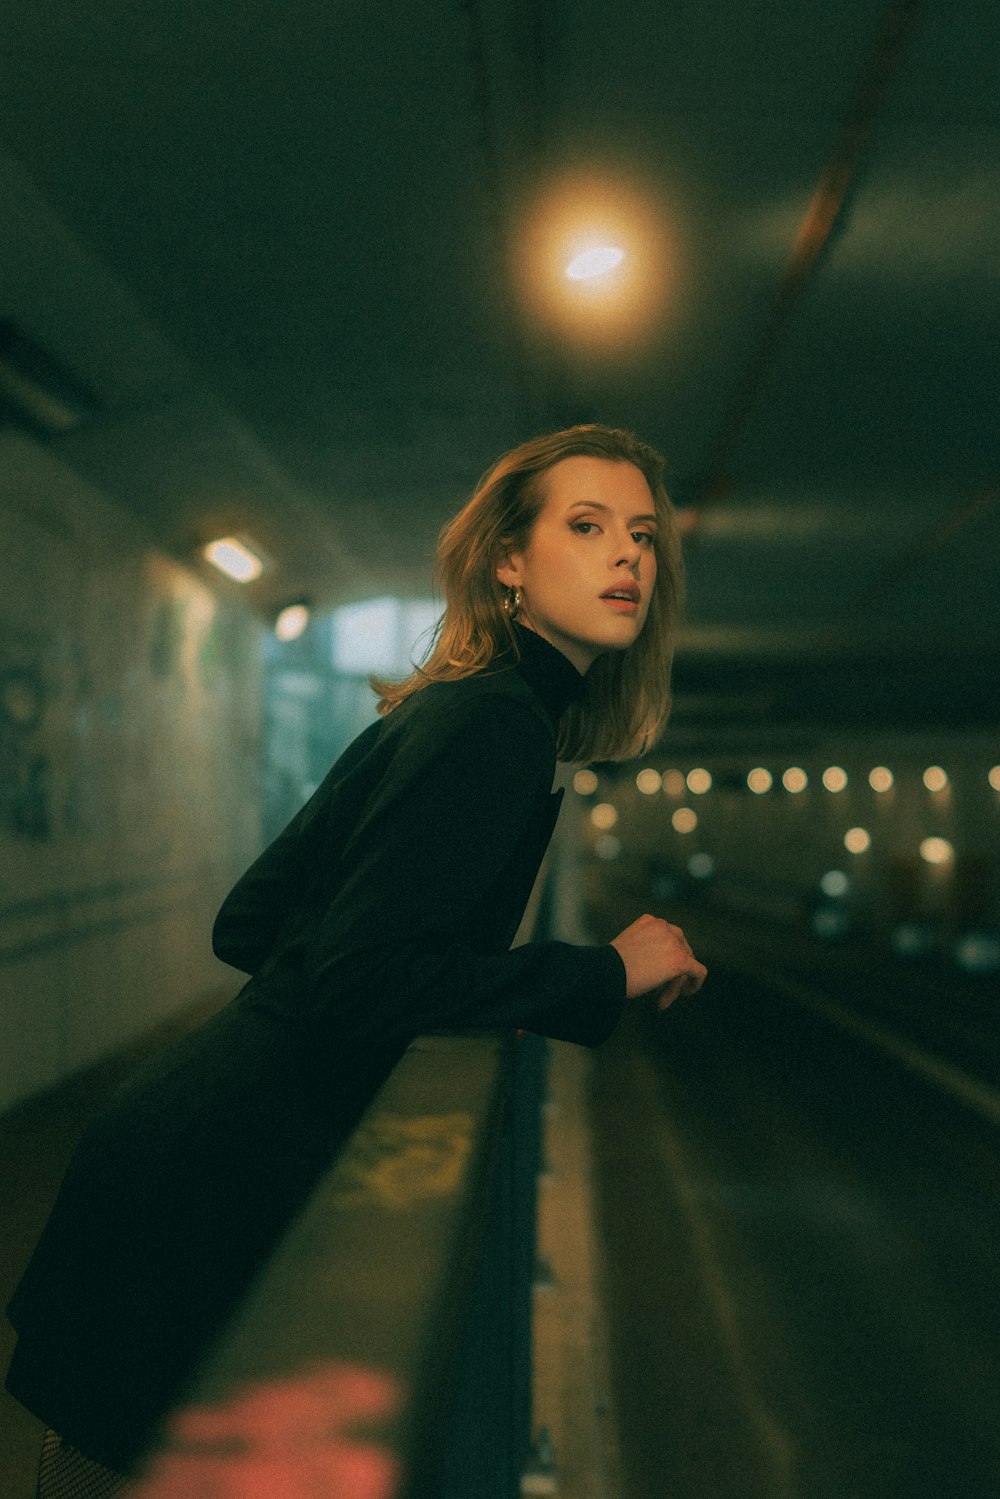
(834, 778)
(596, 262)
(648, 781)
(585, 783)
(592, 260)
(685, 820)
(673, 782)
(857, 840)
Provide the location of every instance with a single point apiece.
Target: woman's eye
(644, 536)
(584, 527)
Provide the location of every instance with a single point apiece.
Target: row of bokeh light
(857, 840)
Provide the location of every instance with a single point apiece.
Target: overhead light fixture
(590, 264)
(291, 621)
(595, 261)
(35, 391)
(234, 556)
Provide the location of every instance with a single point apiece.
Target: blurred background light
(912, 939)
(291, 622)
(834, 778)
(593, 261)
(234, 557)
(585, 783)
(857, 840)
(830, 922)
(596, 262)
(994, 777)
(383, 635)
(684, 820)
(935, 778)
(699, 781)
(760, 780)
(603, 816)
(881, 778)
(701, 866)
(673, 782)
(607, 846)
(978, 952)
(795, 779)
(936, 851)
(835, 883)
(648, 781)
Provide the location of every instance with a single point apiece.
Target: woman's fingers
(658, 958)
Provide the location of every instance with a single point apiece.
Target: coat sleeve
(386, 959)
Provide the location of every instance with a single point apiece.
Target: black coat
(385, 910)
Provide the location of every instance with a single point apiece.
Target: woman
(385, 910)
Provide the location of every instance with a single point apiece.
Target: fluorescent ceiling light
(235, 558)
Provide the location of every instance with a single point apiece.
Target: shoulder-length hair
(626, 697)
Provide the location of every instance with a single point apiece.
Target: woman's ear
(509, 568)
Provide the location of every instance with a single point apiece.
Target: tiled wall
(129, 798)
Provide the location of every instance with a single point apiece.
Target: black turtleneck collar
(551, 675)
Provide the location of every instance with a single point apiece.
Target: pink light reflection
(285, 1439)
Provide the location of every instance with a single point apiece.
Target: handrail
(380, 1295)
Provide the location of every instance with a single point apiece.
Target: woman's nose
(627, 551)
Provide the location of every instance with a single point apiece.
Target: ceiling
(280, 248)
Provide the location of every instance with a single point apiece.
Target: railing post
(489, 1425)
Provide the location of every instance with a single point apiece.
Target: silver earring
(512, 602)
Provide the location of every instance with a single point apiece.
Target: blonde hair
(626, 696)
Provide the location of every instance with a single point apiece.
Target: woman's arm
(390, 957)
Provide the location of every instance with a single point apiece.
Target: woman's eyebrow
(596, 505)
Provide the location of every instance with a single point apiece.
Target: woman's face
(591, 543)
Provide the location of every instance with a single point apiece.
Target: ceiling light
(590, 264)
(936, 851)
(292, 621)
(234, 557)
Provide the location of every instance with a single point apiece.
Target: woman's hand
(658, 959)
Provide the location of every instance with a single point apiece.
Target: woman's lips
(623, 606)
